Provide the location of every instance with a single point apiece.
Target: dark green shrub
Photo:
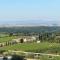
(16, 57)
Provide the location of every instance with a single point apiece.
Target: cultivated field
(6, 39)
(43, 47)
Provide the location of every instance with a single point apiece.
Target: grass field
(8, 38)
(34, 47)
(44, 47)
(48, 58)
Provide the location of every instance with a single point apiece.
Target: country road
(38, 54)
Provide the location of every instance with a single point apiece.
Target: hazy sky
(30, 12)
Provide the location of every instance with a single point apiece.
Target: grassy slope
(4, 39)
(47, 58)
(34, 47)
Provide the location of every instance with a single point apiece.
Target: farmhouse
(25, 39)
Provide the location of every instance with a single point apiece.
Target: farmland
(45, 47)
(34, 47)
(49, 41)
(5, 39)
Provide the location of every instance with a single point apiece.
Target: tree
(16, 57)
(5, 58)
(40, 37)
(11, 34)
(21, 41)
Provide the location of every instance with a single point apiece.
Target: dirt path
(37, 53)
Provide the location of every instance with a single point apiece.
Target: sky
(30, 12)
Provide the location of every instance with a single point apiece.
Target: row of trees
(7, 44)
(11, 43)
(50, 37)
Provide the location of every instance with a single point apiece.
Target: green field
(45, 47)
(47, 58)
(5, 39)
(34, 47)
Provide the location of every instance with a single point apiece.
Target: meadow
(7, 38)
(44, 47)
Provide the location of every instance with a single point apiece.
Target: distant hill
(31, 29)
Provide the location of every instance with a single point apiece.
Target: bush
(2, 51)
(5, 58)
(16, 57)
